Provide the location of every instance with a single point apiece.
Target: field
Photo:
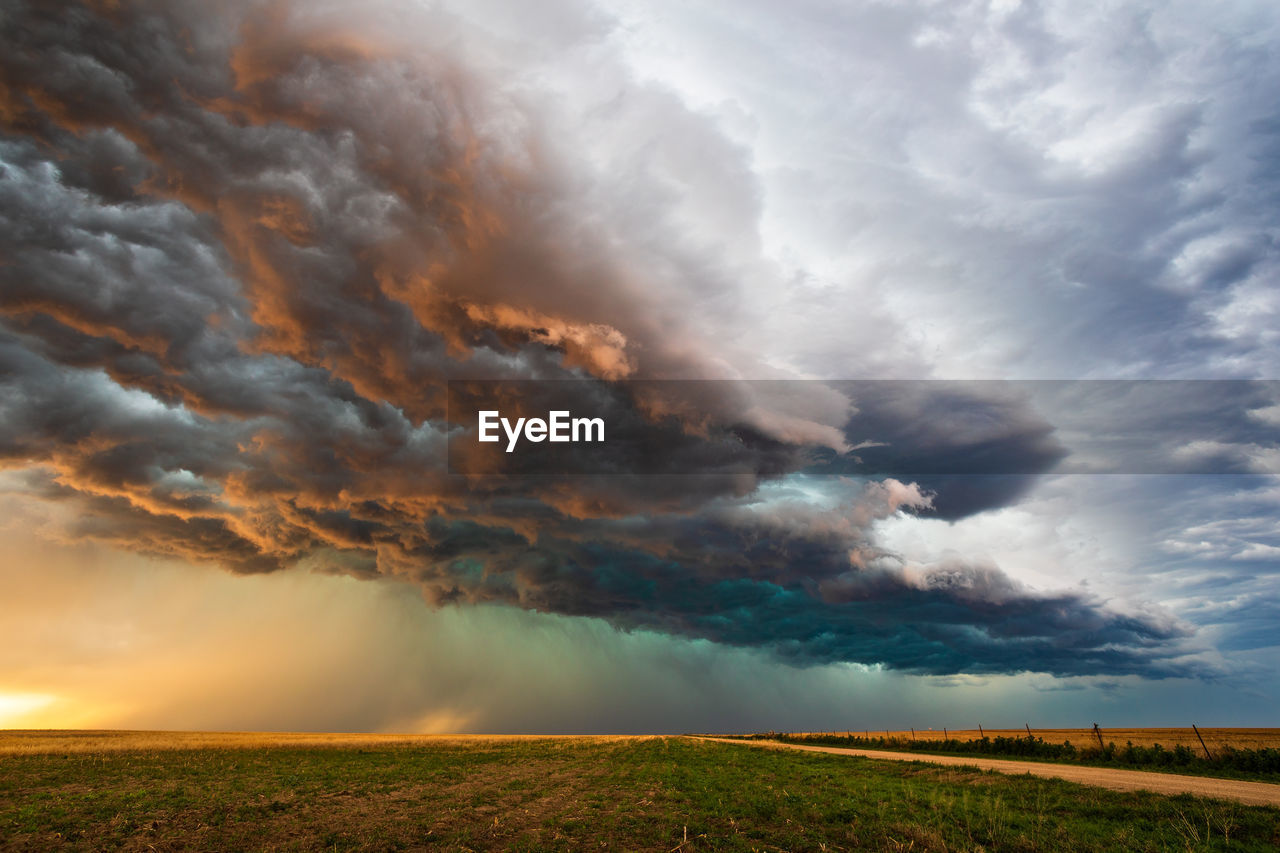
(157, 791)
(1170, 737)
(1248, 754)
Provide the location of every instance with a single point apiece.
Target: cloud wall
(244, 246)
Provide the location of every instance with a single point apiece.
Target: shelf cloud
(244, 248)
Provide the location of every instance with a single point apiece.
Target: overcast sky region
(250, 252)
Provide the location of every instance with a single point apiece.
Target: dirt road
(1250, 793)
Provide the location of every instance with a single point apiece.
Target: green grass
(661, 794)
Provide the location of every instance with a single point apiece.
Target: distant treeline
(1235, 761)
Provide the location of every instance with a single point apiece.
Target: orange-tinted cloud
(244, 247)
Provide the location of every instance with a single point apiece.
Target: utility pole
(1206, 749)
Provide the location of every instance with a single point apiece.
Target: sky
(973, 308)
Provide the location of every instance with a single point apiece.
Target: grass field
(155, 791)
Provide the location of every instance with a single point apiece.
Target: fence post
(1029, 735)
(1098, 732)
(945, 736)
(981, 733)
(1206, 749)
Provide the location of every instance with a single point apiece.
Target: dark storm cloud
(1030, 427)
(979, 445)
(245, 245)
(792, 590)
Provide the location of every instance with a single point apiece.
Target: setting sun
(17, 710)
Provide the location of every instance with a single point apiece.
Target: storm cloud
(246, 246)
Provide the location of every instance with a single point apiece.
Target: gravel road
(1250, 793)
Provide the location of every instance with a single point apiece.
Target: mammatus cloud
(245, 246)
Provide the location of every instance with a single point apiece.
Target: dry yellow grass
(1238, 738)
(50, 741)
